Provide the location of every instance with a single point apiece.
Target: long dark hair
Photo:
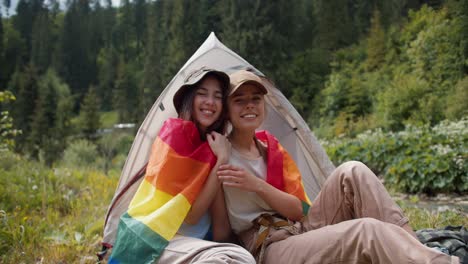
(187, 107)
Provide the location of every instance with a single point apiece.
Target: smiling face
(246, 108)
(207, 103)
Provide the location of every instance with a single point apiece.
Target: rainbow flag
(177, 169)
(282, 171)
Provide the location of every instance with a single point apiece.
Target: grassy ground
(57, 215)
(51, 215)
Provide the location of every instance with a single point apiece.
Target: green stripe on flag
(305, 208)
(136, 243)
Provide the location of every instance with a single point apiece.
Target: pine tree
(140, 24)
(151, 84)
(51, 121)
(125, 93)
(77, 63)
(464, 21)
(177, 52)
(25, 84)
(375, 43)
(334, 28)
(14, 52)
(2, 61)
(26, 13)
(41, 42)
(89, 113)
(108, 61)
(125, 31)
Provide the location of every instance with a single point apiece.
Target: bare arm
(284, 203)
(205, 198)
(220, 220)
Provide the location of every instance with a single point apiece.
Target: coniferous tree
(125, 31)
(14, 52)
(25, 84)
(464, 26)
(41, 42)
(151, 84)
(176, 50)
(2, 62)
(334, 27)
(375, 43)
(140, 25)
(108, 62)
(89, 113)
(77, 64)
(51, 120)
(125, 93)
(24, 20)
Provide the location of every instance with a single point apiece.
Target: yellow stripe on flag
(164, 219)
(148, 197)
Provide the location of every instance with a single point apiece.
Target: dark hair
(187, 107)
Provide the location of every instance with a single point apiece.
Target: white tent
(283, 121)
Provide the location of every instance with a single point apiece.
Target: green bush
(418, 159)
(80, 153)
(7, 131)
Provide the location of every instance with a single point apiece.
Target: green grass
(51, 215)
(423, 218)
(57, 215)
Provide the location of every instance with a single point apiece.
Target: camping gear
(451, 240)
(282, 120)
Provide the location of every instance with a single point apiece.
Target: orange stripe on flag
(292, 177)
(173, 173)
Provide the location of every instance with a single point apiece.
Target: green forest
(384, 82)
(347, 66)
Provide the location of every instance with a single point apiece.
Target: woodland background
(384, 82)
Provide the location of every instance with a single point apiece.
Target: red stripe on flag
(275, 160)
(184, 138)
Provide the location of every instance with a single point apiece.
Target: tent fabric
(283, 121)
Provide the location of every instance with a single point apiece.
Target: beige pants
(183, 249)
(352, 220)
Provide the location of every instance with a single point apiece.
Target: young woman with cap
(181, 199)
(202, 100)
(352, 220)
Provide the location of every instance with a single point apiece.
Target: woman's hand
(220, 146)
(284, 203)
(237, 177)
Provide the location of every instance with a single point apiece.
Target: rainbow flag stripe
(282, 171)
(177, 169)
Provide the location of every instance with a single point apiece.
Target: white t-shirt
(243, 206)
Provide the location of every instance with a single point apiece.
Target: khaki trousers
(352, 220)
(183, 249)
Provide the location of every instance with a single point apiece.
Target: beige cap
(193, 78)
(241, 77)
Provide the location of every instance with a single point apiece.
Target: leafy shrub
(418, 159)
(7, 132)
(80, 153)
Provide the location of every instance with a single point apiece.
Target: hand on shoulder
(220, 146)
